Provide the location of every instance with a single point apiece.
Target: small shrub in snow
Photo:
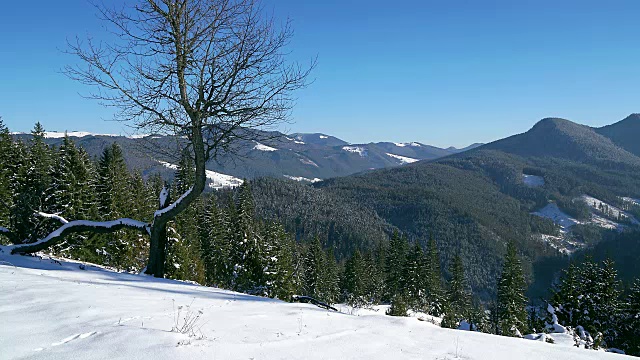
(186, 320)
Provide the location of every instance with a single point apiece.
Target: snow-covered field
(263, 147)
(301, 178)
(217, 180)
(532, 180)
(55, 310)
(403, 159)
(553, 212)
(355, 149)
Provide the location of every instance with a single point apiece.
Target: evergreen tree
(354, 281)
(630, 329)
(512, 301)
(395, 266)
(434, 293)
(7, 173)
(313, 270)
(415, 278)
(458, 297)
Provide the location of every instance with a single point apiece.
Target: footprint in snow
(74, 337)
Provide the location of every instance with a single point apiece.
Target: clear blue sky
(441, 72)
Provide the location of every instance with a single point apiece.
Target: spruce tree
(512, 301)
(458, 297)
(395, 266)
(415, 278)
(435, 296)
(630, 326)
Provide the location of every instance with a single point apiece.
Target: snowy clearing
(553, 212)
(55, 310)
(607, 209)
(631, 200)
(263, 147)
(300, 178)
(532, 180)
(403, 159)
(355, 149)
(218, 180)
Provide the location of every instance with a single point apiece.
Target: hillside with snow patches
(603, 215)
(58, 309)
(300, 156)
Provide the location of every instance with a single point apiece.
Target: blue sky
(442, 72)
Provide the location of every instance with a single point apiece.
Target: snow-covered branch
(75, 227)
(52, 216)
(161, 212)
(4, 230)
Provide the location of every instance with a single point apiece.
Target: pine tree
(33, 190)
(395, 266)
(458, 297)
(313, 270)
(512, 301)
(330, 278)
(7, 171)
(630, 329)
(434, 293)
(415, 278)
(354, 281)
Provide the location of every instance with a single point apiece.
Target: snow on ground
(300, 178)
(612, 211)
(59, 135)
(403, 159)
(218, 180)
(565, 244)
(55, 310)
(222, 181)
(323, 137)
(553, 212)
(263, 147)
(532, 180)
(631, 200)
(355, 149)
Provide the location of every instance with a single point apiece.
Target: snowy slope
(553, 212)
(532, 180)
(55, 310)
(217, 180)
(403, 159)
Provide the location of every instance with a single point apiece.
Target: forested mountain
(302, 157)
(475, 202)
(624, 133)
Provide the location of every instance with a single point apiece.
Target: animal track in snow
(74, 337)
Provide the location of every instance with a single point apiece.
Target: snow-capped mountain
(298, 156)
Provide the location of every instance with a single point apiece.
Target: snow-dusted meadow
(53, 309)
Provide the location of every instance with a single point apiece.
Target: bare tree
(210, 71)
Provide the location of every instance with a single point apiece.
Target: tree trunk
(158, 242)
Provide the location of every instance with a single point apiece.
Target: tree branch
(76, 226)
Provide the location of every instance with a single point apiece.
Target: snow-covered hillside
(403, 159)
(216, 180)
(56, 310)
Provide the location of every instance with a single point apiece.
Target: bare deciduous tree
(211, 71)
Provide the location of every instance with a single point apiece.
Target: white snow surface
(222, 181)
(355, 149)
(553, 212)
(631, 200)
(300, 178)
(599, 205)
(403, 159)
(218, 180)
(532, 180)
(55, 310)
(263, 147)
(323, 137)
